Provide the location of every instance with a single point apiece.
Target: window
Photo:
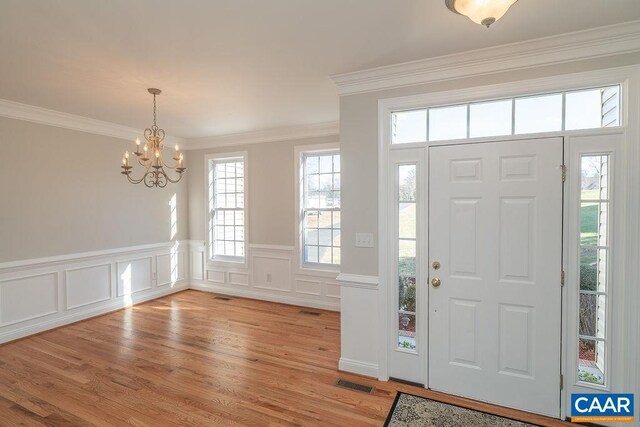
(407, 233)
(553, 112)
(594, 268)
(320, 208)
(227, 208)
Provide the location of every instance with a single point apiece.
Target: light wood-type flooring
(195, 360)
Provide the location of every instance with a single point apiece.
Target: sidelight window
(594, 268)
(407, 251)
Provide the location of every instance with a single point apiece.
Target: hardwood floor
(192, 359)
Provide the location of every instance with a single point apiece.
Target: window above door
(591, 108)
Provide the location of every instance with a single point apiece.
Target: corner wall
(272, 271)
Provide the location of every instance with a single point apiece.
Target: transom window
(227, 208)
(554, 112)
(321, 208)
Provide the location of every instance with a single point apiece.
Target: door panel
(495, 226)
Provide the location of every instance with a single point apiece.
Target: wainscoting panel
(197, 263)
(170, 267)
(134, 275)
(271, 274)
(44, 293)
(88, 285)
(28, 297)
(239, 279)
(216, 276)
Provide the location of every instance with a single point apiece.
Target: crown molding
(44, 116)
(587, 44)
(268, 135)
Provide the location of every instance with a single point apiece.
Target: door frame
(629, 79)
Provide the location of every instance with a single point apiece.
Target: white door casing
(495, 226)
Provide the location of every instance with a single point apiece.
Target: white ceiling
(230, 66)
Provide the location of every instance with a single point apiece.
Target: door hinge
(563, 169)
(562, 278)
(561, 381)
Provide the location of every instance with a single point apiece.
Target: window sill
(240, 262)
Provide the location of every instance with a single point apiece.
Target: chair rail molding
(569, 47)
(358, 281)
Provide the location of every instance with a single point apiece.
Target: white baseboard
(264, 296)
(357, 367)
(46, 325)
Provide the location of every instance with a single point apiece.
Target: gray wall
(61, 192)
(359, 147)
(271, 190)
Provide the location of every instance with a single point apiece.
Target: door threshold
(398, 380)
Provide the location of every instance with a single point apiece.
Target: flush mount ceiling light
(150, 157)
(483, 12)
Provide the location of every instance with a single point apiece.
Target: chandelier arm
(135, 181)
(173, 181)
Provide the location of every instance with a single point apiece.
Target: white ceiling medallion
(483, 12)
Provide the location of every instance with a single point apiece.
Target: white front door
(495, 228)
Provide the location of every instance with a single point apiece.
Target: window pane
(407, 220)
(324, 254)
(336, 256)
(407, 258)
(611, 106)
(594, 108)
(490, 119)
(594, 178)
(448, 123)
(409, 126)
(583, 110)
(539, 114)
(311, 236)
(589, 370)
(589, 223)
(588, 313)
(407, 182)
(407, 331)
(311, 253)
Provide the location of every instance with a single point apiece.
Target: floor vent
(310, 313)
(354, 386)
(223, 298)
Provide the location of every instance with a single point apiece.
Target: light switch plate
(364, 240)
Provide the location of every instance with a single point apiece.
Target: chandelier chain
(154, 109)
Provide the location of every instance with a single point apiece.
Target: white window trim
(302, 266)
(226, 260)
(629, 79)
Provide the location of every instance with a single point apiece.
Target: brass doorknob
(435, 282)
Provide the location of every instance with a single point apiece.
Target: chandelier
(150, 157)
(483, 12)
